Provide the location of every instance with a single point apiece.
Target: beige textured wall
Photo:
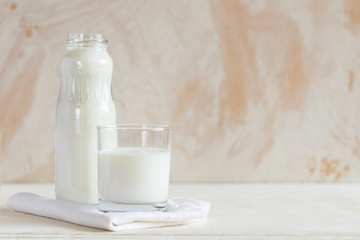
(255, 90)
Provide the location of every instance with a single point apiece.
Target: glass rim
(126, 127)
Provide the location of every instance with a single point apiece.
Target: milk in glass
(134, 175)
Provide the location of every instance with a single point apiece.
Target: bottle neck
(86, 40)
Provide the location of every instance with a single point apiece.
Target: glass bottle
(85, 101)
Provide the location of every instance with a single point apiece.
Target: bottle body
(85, 101)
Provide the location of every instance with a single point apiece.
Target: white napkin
(179, 211)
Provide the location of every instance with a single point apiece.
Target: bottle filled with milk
(85, 101)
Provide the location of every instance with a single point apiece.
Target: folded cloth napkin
(179, 211)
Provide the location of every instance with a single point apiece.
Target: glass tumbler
(133, 167)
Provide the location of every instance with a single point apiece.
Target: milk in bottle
(85, 101)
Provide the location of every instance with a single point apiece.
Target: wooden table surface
(239, 211)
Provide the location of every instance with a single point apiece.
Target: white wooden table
(239, 211)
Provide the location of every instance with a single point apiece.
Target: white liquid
(134, 175)
(85, 101)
